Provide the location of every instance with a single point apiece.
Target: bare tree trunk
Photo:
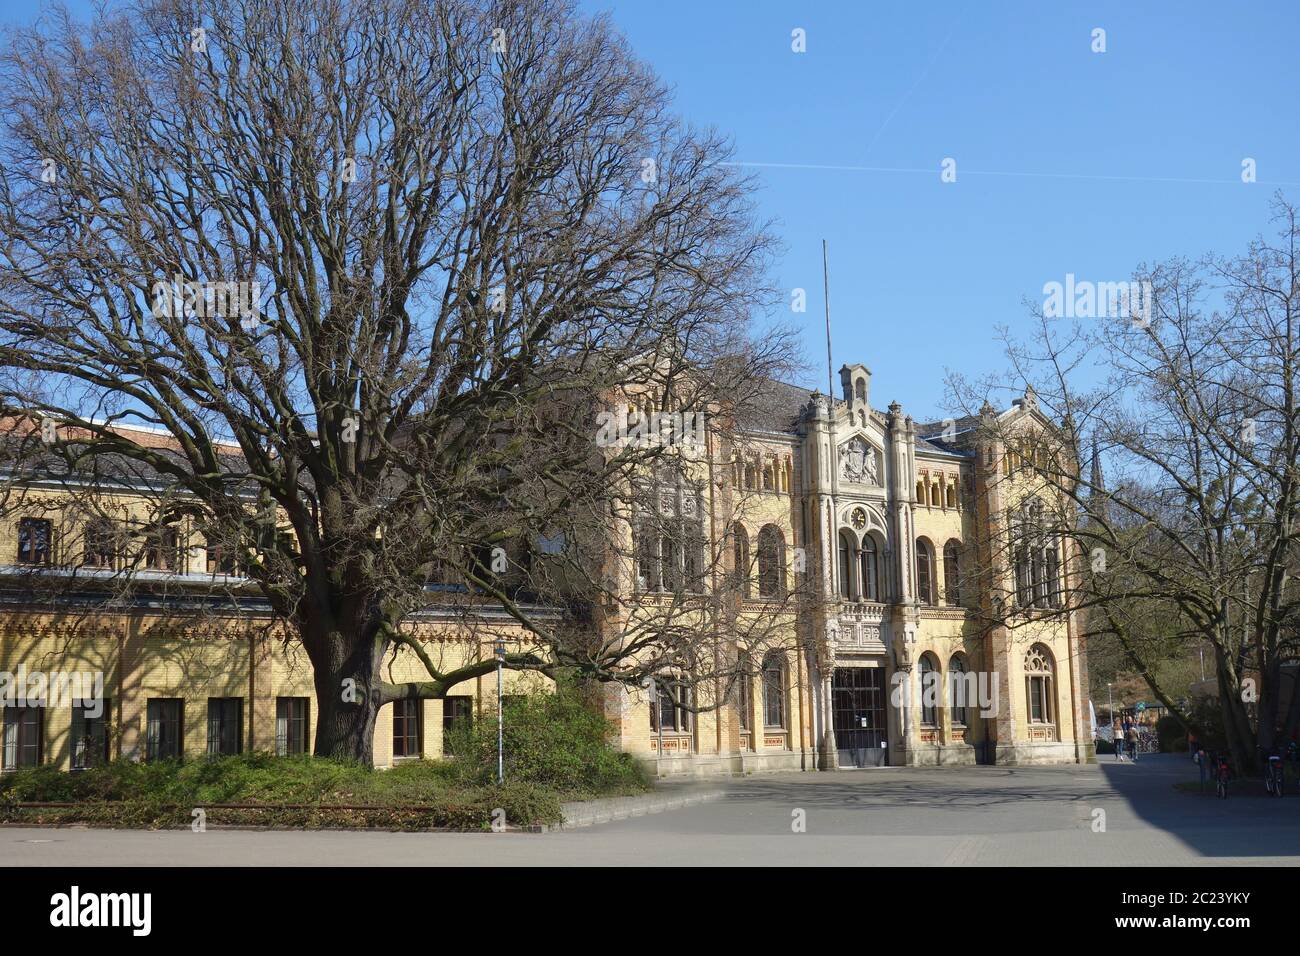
(1236, 722)
(347, 699)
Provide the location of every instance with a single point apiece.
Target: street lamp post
(658, 713)
(500, 650)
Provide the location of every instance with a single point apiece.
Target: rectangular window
(774, 695)
(1039, 572)
(408, 728)
(90, 734)
(225, 725)
(958, 688)
(1054, 576)
(221, 560)
(34, 537)
(744, 698)
(24, 731)
(1040, 701)
(162, 549)
(164, 718)
(290, 726)
(103, 540)
(647, 578)
(457, 716)
(669, 711)
(1024, 590)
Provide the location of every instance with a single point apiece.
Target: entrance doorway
(858, 716)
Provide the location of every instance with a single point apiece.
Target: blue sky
(922, 271)
(1102, 160)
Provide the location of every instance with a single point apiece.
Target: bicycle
(1274, 780)
(1221, 775)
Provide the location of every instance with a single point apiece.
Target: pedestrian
(1117, 735)
(1192, 743)
(1131, 738)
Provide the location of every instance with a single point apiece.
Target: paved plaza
(901, 816)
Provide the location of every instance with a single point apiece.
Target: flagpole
(826, 298)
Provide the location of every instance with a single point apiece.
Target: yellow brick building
(901, 541)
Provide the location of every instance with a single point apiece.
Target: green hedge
(289, 792)
(556, 749)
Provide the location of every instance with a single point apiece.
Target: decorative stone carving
(859, 462)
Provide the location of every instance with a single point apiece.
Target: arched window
(920, 492)
(771, 562)
(952, 495)
(924, 572)
(951, 574)
(740, 557)
(846, 566)
(774, 690)
(929, 690)
(959, 692)
(1039, 669)
(870, 570)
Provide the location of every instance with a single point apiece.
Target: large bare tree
(373, 267)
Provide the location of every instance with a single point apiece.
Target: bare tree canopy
(372, 267)
(1190, 533)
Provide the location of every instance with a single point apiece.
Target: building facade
(923, 629)
(928, 630)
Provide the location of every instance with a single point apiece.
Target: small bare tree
(1192, 536)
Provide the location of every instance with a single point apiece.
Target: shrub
(1208, 716)
(552, 740)
(303, 792)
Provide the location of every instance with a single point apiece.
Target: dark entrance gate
(858, 716)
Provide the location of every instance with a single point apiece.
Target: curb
(591, 812)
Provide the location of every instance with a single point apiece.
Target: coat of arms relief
(859, 462)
